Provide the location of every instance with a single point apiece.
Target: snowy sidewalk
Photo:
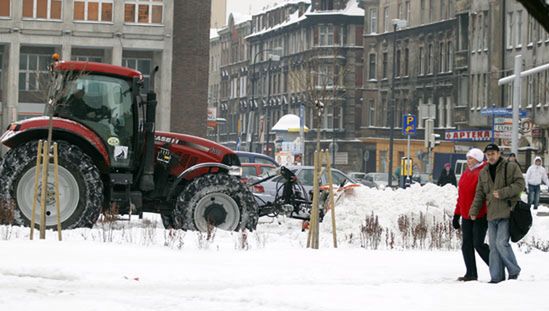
(95, 276)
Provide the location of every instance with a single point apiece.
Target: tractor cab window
(103, 104)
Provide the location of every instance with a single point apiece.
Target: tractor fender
(193, 169)
(37, 128)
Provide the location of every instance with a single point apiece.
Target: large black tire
(217, 200)
(80, 187)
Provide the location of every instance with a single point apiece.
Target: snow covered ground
(139, 266)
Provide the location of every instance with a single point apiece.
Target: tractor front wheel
(80, 187)
(215, 200)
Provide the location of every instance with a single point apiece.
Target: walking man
(535, 175)
(500, 184)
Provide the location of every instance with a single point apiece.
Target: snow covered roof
(288, 123)
(292, 19)
(352, 9)
(241, 18)
(214, 33)
(280, 5)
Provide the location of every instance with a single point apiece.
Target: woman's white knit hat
(476, 153)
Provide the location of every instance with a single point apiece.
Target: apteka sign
(469, 135)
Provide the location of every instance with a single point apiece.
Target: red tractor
(111, 156)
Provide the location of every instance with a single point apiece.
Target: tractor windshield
(103, 104)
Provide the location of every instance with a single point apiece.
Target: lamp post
(397, 23)
(271, 56)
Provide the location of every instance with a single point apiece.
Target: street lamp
(272, 57)
(397, 24)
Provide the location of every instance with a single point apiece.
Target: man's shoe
(493, 282)
(513, 276)
(467, 278)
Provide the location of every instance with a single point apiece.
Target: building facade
(408, 71)
(296, 53)
(498, 32)
(136, 34)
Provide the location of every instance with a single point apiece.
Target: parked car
(267, 190)
(252, 157)
(361, 177)
(250, 170)
(460, 167)
(422, 179)
(380, 180)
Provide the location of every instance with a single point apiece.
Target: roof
(352, 9)
(97, 67)
(288, 123)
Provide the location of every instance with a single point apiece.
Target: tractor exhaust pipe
(147, 179)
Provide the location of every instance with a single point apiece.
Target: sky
(247, 6)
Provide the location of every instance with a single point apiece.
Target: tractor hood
(209, 149)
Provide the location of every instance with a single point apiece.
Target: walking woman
(473, 231)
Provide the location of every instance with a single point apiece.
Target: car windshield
(381, 177)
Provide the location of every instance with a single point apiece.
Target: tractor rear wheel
(215, 200)
(80, 187)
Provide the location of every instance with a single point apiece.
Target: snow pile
(429, 205)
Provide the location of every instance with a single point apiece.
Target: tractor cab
(106, 101)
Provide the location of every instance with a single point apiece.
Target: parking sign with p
(409, 124)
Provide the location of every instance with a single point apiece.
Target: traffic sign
(409, 124)
(502, 112)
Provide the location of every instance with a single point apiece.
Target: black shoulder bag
(520, 219)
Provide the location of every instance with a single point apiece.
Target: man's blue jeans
(533, 195)
(501, 253)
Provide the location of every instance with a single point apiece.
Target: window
(327, 5)
(373, 20)
(385, 65)
(386, 21)
(399, 11)
(407, 11)
(431, 11)
(509, 31)
(406, 61)
(421, 62)
(371, 112)
(449, 122)
(430, 59)
(443, 12)
(42, 9)
(441, 112)
(372, 66)
(93, 10)
(33, 71)
(518, 35)
(422, 14)
(326, 35)
(326, 75)
(5, 8)
(143, 11)
(442, 58)
(96, 59)
(142, 65)
(398, 63)
(450, 56)
(1, 66)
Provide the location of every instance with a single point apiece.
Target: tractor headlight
(235, 171)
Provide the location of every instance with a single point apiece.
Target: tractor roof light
(235, 171)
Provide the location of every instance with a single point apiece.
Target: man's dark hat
(491, 147)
